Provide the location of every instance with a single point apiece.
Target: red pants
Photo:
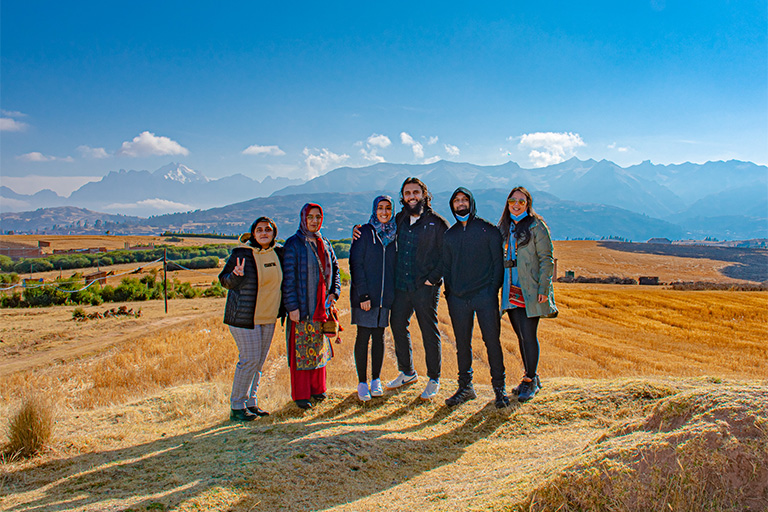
(304, 383)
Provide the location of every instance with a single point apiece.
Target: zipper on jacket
(383, 267)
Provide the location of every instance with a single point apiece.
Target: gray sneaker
(433, 386)
(402, 380)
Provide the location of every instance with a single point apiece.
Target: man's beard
(462, 212)
(415, 210)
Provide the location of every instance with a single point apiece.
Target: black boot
(465, 393)
(242, 415)
(501, 397)
(258, 411)
(303, 404)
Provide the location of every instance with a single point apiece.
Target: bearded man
(418, 277)
(473, 266)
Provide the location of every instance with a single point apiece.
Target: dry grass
(587, 258)
(630, 374)
(703, 451)
(30, 428)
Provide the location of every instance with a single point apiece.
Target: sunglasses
(512, 200)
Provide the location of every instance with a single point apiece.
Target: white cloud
(432, 160)
(548, 148)
(431, 140)
(381, 141)
(372, 156)
(89, 152)
(13, 113)
(263, 150)
(318, 163)
(452, 150)
(8, 124)
(161, 205)
(418, 149)
(373, 144)
(36, 156)
(148, 144)
(620, 149)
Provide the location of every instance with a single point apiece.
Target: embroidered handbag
(516, 298)
(332, 326)
(312, 348)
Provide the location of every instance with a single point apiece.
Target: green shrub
(216, 290)
(6, 263)
(11, 301)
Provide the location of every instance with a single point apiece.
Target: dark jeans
(525, 328)
(422, 301)
(462, 310)
(376, 334)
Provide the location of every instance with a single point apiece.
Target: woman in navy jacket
(311, 285)
(372, 265)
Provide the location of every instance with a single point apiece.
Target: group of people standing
(397, 264)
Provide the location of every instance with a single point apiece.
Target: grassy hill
(653, 399)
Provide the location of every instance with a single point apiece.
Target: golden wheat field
(652, 399)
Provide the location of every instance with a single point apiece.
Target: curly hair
(424, 191)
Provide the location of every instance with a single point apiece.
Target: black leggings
(376, 334)
(525, 328)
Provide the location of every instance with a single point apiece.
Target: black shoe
(527, 390)
(502, 400)
(258, 411)
(464, 394)
(319, 397)
(304, 404)
(516, 389)
(242, 415)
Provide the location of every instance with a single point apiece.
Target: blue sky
(92, 87)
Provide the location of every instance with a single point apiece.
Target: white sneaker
(376, 388)
(433, 386)
(362, 392)
(402, 379)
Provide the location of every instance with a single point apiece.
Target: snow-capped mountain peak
(180, 173)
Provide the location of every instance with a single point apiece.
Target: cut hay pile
(696, 450)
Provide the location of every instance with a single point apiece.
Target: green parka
(535, 266)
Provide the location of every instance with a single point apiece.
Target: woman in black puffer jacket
(253, 275)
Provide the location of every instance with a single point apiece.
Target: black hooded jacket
(472, 258)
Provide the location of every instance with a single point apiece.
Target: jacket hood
(472, 207)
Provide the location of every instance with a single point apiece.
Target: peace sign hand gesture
(239, 269)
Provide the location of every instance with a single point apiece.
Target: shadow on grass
(294, 460)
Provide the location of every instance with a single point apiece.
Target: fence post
(165, 278)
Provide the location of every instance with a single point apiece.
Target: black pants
(486, 306)
(422, 301)
(376, 335)
(525, 328)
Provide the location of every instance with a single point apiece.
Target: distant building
(653, 281)
(21, 252)
(659, 241)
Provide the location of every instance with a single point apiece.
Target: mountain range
(171, 188)
(579, 198)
